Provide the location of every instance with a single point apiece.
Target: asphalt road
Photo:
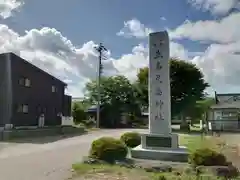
(47, 158)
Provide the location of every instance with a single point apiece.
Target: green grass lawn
(193, 142)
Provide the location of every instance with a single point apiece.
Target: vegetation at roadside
(207, 157)
(108, 149)
(80, 116)
(115, 172)
(78, 113)
(194, 142)
(131, 139)
(204, 151)
(118, 97)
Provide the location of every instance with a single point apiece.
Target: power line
(100, 48)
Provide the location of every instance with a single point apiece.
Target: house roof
(229, 94)
(13, 54)
(93, 108)
(227, 105)
(77, 98)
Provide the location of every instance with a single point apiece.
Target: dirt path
(232, 140)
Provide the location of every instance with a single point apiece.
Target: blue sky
(83, 21)
(196, 29)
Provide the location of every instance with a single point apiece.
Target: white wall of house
(224, 119)
(225, 114)
(217, 115)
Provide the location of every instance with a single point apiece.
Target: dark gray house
(26, 92)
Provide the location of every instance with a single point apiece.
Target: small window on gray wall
(21, 81)
(27, 82)
(23, 108)
(54, 89)
(24, 82)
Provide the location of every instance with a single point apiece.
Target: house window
(21, 81)
(54, 89)
(229, 113)
(23, 108)
(25, 82)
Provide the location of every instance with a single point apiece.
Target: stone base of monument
(160, 147)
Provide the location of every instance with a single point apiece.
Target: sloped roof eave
(226, 106)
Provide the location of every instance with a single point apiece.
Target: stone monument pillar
(159, 84)
(160, 143)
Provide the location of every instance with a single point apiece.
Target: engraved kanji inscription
(159, 104)
(158, 91)
(158, 54)
(158, 77)
(161, 42)
(158, 66)
(159, 116)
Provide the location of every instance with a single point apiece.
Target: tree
(187, 85)
(118, 95)
(78, 113)
(197, 112)
(83, 104)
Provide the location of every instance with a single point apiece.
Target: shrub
(89, 123)
(207, 157)
(108, 149)
(160, 177)
(131, 139)
(78, 113)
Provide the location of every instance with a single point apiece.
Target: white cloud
(223, 31)
(48, 49)
(134, 28)
(221, 65)
(51, 51)
(163, 18)
(8, 6)
(216, 6)
(221, 61)
(129, 64)
(178, 51)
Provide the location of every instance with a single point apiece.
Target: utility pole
(100, 48)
